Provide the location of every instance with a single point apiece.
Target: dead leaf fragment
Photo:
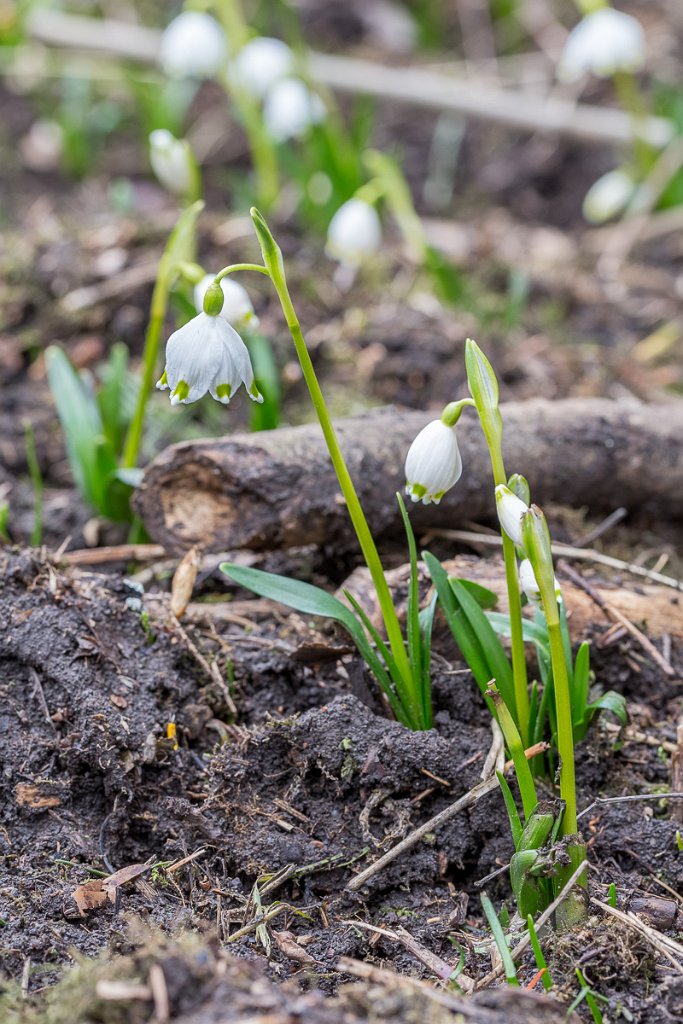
(183, 582)
(287, 944)
(91, 896)
(37, 795)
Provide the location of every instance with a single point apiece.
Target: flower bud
(433, 463)
(510, 510)
(193, 46)
(529, 583)
(603, 43)
(260, 64)
(355, 232)
(536, 543)
(519, 485)
(237, 308)
(291, 109)
(213, 299)
(173, 162)
(608, 197)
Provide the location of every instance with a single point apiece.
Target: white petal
(433, 463)
(194, 354)
(171, 161)
(608, 196)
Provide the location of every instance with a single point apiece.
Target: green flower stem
(525, 779)
(157, 316)
(631, 100)
(409, 696)
(565, 738)
(515, 607)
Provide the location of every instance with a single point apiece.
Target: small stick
(611, 520)
(470, 798)
(116, 553)
(562, 550)
(616, 616)
(186, 860)
(253, 925)
(438, 967)
(677, 772)
(632, 798)
(662, 943)
(159, 990)
(26, 977)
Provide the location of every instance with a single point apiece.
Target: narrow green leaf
(413, 611)
(489, 643)
(579, 689)
(80, 421)
(484, 597)
(511, 808)
(500, 941)
(538, 954)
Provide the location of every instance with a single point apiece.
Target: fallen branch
(277, 488)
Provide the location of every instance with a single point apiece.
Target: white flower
(603, 43)
(261, 63)
(290, 109)
(608, 196)
(529, 584)
(237, 308)
(172, 162)
(433, 463)
(207, 354)
(355, 232)
(510, 510)
(193, 46)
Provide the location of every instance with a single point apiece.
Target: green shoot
(538, 954)
(501, 942)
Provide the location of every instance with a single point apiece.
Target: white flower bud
(172, 162)
(237, 308)
(604, 42)
(529, 583)
(207, 354)
(355, 232)
(608, 196)
(510, 510)
(290, 109)
(433, 463)
(193, 46)
(260, 64)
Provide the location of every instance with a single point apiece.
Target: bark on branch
(277, 489)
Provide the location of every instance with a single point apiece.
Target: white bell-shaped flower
(355, 232)
(510, 510)
(193, 46)
(529, 583)
(237, 308)
(260, 64)
(433, 463)
(172, 162)
(207, 354)
(608, 196)
(290, 109)
(603, 43)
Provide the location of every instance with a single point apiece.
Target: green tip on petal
(181, 392)
(223, 392)
(255, 394)
(163, 381)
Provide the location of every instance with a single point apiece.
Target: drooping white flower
(290, 109)
(510, 510)
(608, 196)
(237, 308)
(193, 46)
(529, 583)
(604, 42)
(355, 232)
(433, 463)
(260, 64)
(173, 162)
(207, 354)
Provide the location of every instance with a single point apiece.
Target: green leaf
(484, 597)
(579, 686)
(413, 610)
(463, 634)
(511, 808)
(81, 423)
(488, 641)
(501, 942)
